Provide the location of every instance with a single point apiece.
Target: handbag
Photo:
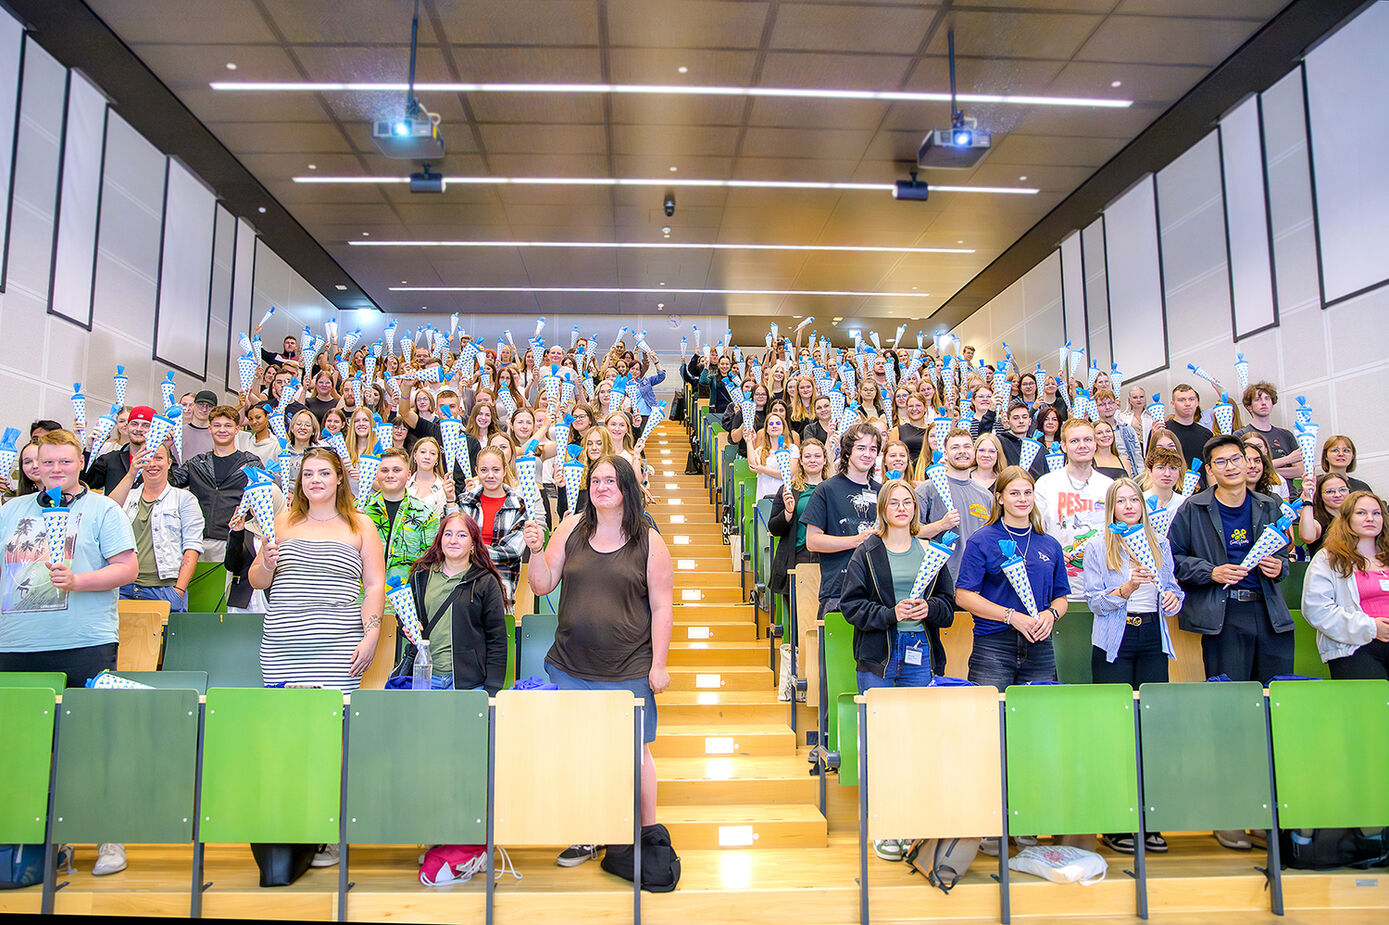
(281, 865)
(660, 865)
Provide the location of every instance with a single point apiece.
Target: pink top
(1374, 592)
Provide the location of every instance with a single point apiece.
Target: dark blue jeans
(898, 673)
(1006, 658)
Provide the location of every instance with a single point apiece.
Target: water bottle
(424, 668)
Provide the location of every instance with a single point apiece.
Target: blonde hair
(342, 499)
(798, 482)
(762, 444)
(607, 441)
(354, 451)
(997, 444)
(1005, 478)
(438, 456)
(1113, 545)
(802, 411)
(508, 472)
(885, 493)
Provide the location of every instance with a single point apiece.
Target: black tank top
(604, 631)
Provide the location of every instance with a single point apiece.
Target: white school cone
(1015, 570)
(1136, 542)
(55, 529)
(1027, 453)
(402, 602)
(1055, 457)
(1307, 447)
(1273, 538)
(1159, 518)
(106, 680)
(527, 469)
(938, 552)
(941, 479)
(1191, 478)
(367, 466)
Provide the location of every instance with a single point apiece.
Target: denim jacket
(1111, 611)
(176, 526)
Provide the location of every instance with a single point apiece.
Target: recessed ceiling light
(665, 230)
(662, 284)
(366, 234)
(657, 181)
(1116, 83)
(641, 290)
(1023, 177)
(402, 282)
(260, 209)
(682, 69)
(813, 93)
(313, 166)
(960, 241)
(673, 245)
(673, 168)
(839, 318)
(914, 288)
(660, 305)
(231, 65)
(340, 287)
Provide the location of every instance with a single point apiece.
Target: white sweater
(1331, 604)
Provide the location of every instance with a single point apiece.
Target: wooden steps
(727, 708)
(717, 655)
(729, 779)
(745, 825)
(720, 678)
(697, 631)
(695, 740)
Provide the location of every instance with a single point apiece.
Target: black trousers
(1247, 648)
(77, 664)
(1370, 662)
(1140, 658)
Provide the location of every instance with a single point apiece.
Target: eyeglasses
(902, 504)
(1227, 462)
(1335, 491)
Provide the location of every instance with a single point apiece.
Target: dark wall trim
(1267, 56)
(78, 38)
(14, 162)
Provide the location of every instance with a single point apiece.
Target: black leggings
(1140, 659)
(77, 664)
(1369, 662)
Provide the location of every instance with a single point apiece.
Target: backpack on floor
(660, 865)
(20, 866)
(942, 861)
(1331, 849)
(280, 864)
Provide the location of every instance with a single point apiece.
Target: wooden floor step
(743, 825)
(726, 708)
(733, 595)
(700, 741)
(709, 577)
(729, 779)
(708, 612)
(716, 656)
(696, 631)
(721, 678)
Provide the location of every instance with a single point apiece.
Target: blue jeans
(134, 592)
(1006, 658)
(898, 673)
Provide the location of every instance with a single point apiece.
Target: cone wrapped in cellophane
(1136, 542)
(1273, 538)
(938, 552)
(1015, 570)
(402, 603)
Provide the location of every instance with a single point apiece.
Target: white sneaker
(110, 859)
(327, 856)
(989, 846)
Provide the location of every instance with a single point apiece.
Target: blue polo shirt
(981, 571)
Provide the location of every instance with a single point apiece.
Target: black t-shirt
(1192, 438)
(391, 508)
(421, 430)
(224, 466)
(815, 431)
(1280, 442)
(840, 507)
(320, 407)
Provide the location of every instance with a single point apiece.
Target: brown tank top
(604, 631)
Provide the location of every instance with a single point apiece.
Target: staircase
(726, 761)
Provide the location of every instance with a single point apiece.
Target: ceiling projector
(953, 148)
(415, 136)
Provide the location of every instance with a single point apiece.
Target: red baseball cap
(142, 413)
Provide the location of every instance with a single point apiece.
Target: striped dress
(314, 619)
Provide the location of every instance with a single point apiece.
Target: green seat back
(207, 592)
(1331, 753)
(26, 728)
(53, 680)
(1291, 586)
(417, 768)
(1052, 789)
(730, 455)
(1070, 640)
(537, 635)
(847, 725)
(1306, 659)
(548, 603)
(169, 680)
(127, 762)
(840, 670)
(272, 765)
(763, 538)
(510, 651)
(1205, 756)
(226, 646)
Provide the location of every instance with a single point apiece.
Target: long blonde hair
(802, 411)
(354, 450)
(342, 499)
(608, 450)
(1005, 478)
(1113, 546)
(884, 494)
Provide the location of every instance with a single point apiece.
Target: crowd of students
(407, 466)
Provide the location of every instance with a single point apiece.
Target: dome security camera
(670, 204)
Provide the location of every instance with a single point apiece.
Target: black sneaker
(1155, 842)
(1122, 843)
(575, 855)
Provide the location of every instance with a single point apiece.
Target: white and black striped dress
(314, 618)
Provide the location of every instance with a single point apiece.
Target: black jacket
(867, 600)
(478, 627)
(108, 469)
(217, 499)
(788, 555)
(1198, 546)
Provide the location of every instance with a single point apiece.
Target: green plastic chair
(1306, 659)
(127, 765)
(169, 680)
(1205, 757)
(272, 766)
(841, 685)
(207, 593)
(1330, 753)
(26, 728)
(537, 635)
(1070, 640)
(417, 768)
(548, 603)
(55, 681)
(226, 646)
(510, 652)
(1048, 728)
(1291, 586)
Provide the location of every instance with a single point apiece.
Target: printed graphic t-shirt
(1072, 515)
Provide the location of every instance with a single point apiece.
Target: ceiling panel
(1156, 49)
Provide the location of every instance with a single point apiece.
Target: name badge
(1384, 584)
(912, 656)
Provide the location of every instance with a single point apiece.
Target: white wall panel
(11, 59)
(1346, 78)
(1073, 290)
(185, 272)
(78, 209)
(1096, 337)
(1133, 263)
(1252, 291)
